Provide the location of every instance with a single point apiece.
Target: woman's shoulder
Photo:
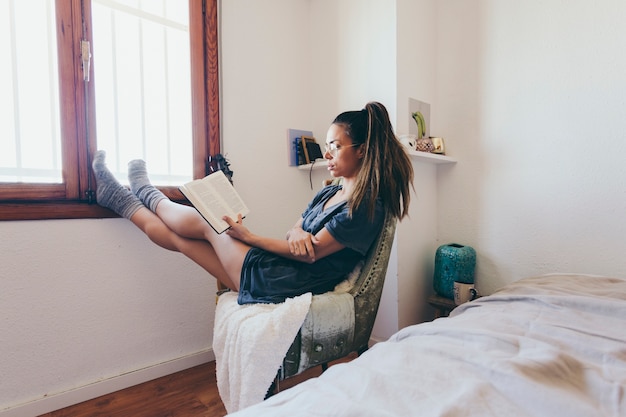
(376, 219)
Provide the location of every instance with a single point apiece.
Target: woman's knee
(163, 236)
(183, 220)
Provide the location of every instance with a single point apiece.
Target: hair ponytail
(386, 171)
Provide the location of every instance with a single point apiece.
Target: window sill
(66, 209)
(52, 210)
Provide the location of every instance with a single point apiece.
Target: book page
(211, 207)
(214, 197)
(233, 204)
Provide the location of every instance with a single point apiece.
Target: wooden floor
(189, 393)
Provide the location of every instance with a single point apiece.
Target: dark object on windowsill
(219, 163)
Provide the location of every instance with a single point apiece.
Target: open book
(215, 197)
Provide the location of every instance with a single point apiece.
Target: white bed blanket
(250, 342)
(546, 346)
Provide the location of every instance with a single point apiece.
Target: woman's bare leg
(199, 251)
(185, 221)
(182, 219)
(225, 264)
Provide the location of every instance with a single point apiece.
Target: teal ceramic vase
(453, 262)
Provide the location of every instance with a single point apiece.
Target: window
(29, 151)
(149, 89)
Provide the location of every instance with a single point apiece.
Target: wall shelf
(433, 158)
(319, 164)
(427, 157)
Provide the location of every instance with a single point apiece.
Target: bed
(553, 345)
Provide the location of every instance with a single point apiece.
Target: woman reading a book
(333, 234)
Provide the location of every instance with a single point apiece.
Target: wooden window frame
(75, 197)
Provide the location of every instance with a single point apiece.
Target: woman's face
(344, 158)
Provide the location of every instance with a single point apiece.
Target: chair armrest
(328, 329)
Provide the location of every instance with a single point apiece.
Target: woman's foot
(110, 193)
(140, 185)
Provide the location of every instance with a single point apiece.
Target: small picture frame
(424, 108)
(311, 149)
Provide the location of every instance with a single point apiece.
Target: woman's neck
(347, 187)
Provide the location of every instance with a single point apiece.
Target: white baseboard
(87, 392)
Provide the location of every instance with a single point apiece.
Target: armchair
(340, 322)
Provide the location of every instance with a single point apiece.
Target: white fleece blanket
(250, 342)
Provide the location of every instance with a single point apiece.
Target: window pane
(30, 146)
(142, 81)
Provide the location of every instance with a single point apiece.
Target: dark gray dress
(269, 278)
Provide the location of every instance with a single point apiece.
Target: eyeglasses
(332, 148)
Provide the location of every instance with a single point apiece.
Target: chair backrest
(368, 288)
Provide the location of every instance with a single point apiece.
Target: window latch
(85, 52)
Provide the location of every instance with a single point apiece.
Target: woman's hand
(301, 243)
(238, 230)
(298, 245)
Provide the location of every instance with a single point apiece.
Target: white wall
(83, 301)
(416, 235)
(266, 66)
(531, 100)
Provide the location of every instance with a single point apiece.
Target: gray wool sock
(140, 184)
(110, 193)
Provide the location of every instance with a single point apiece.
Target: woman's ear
(360, 151)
